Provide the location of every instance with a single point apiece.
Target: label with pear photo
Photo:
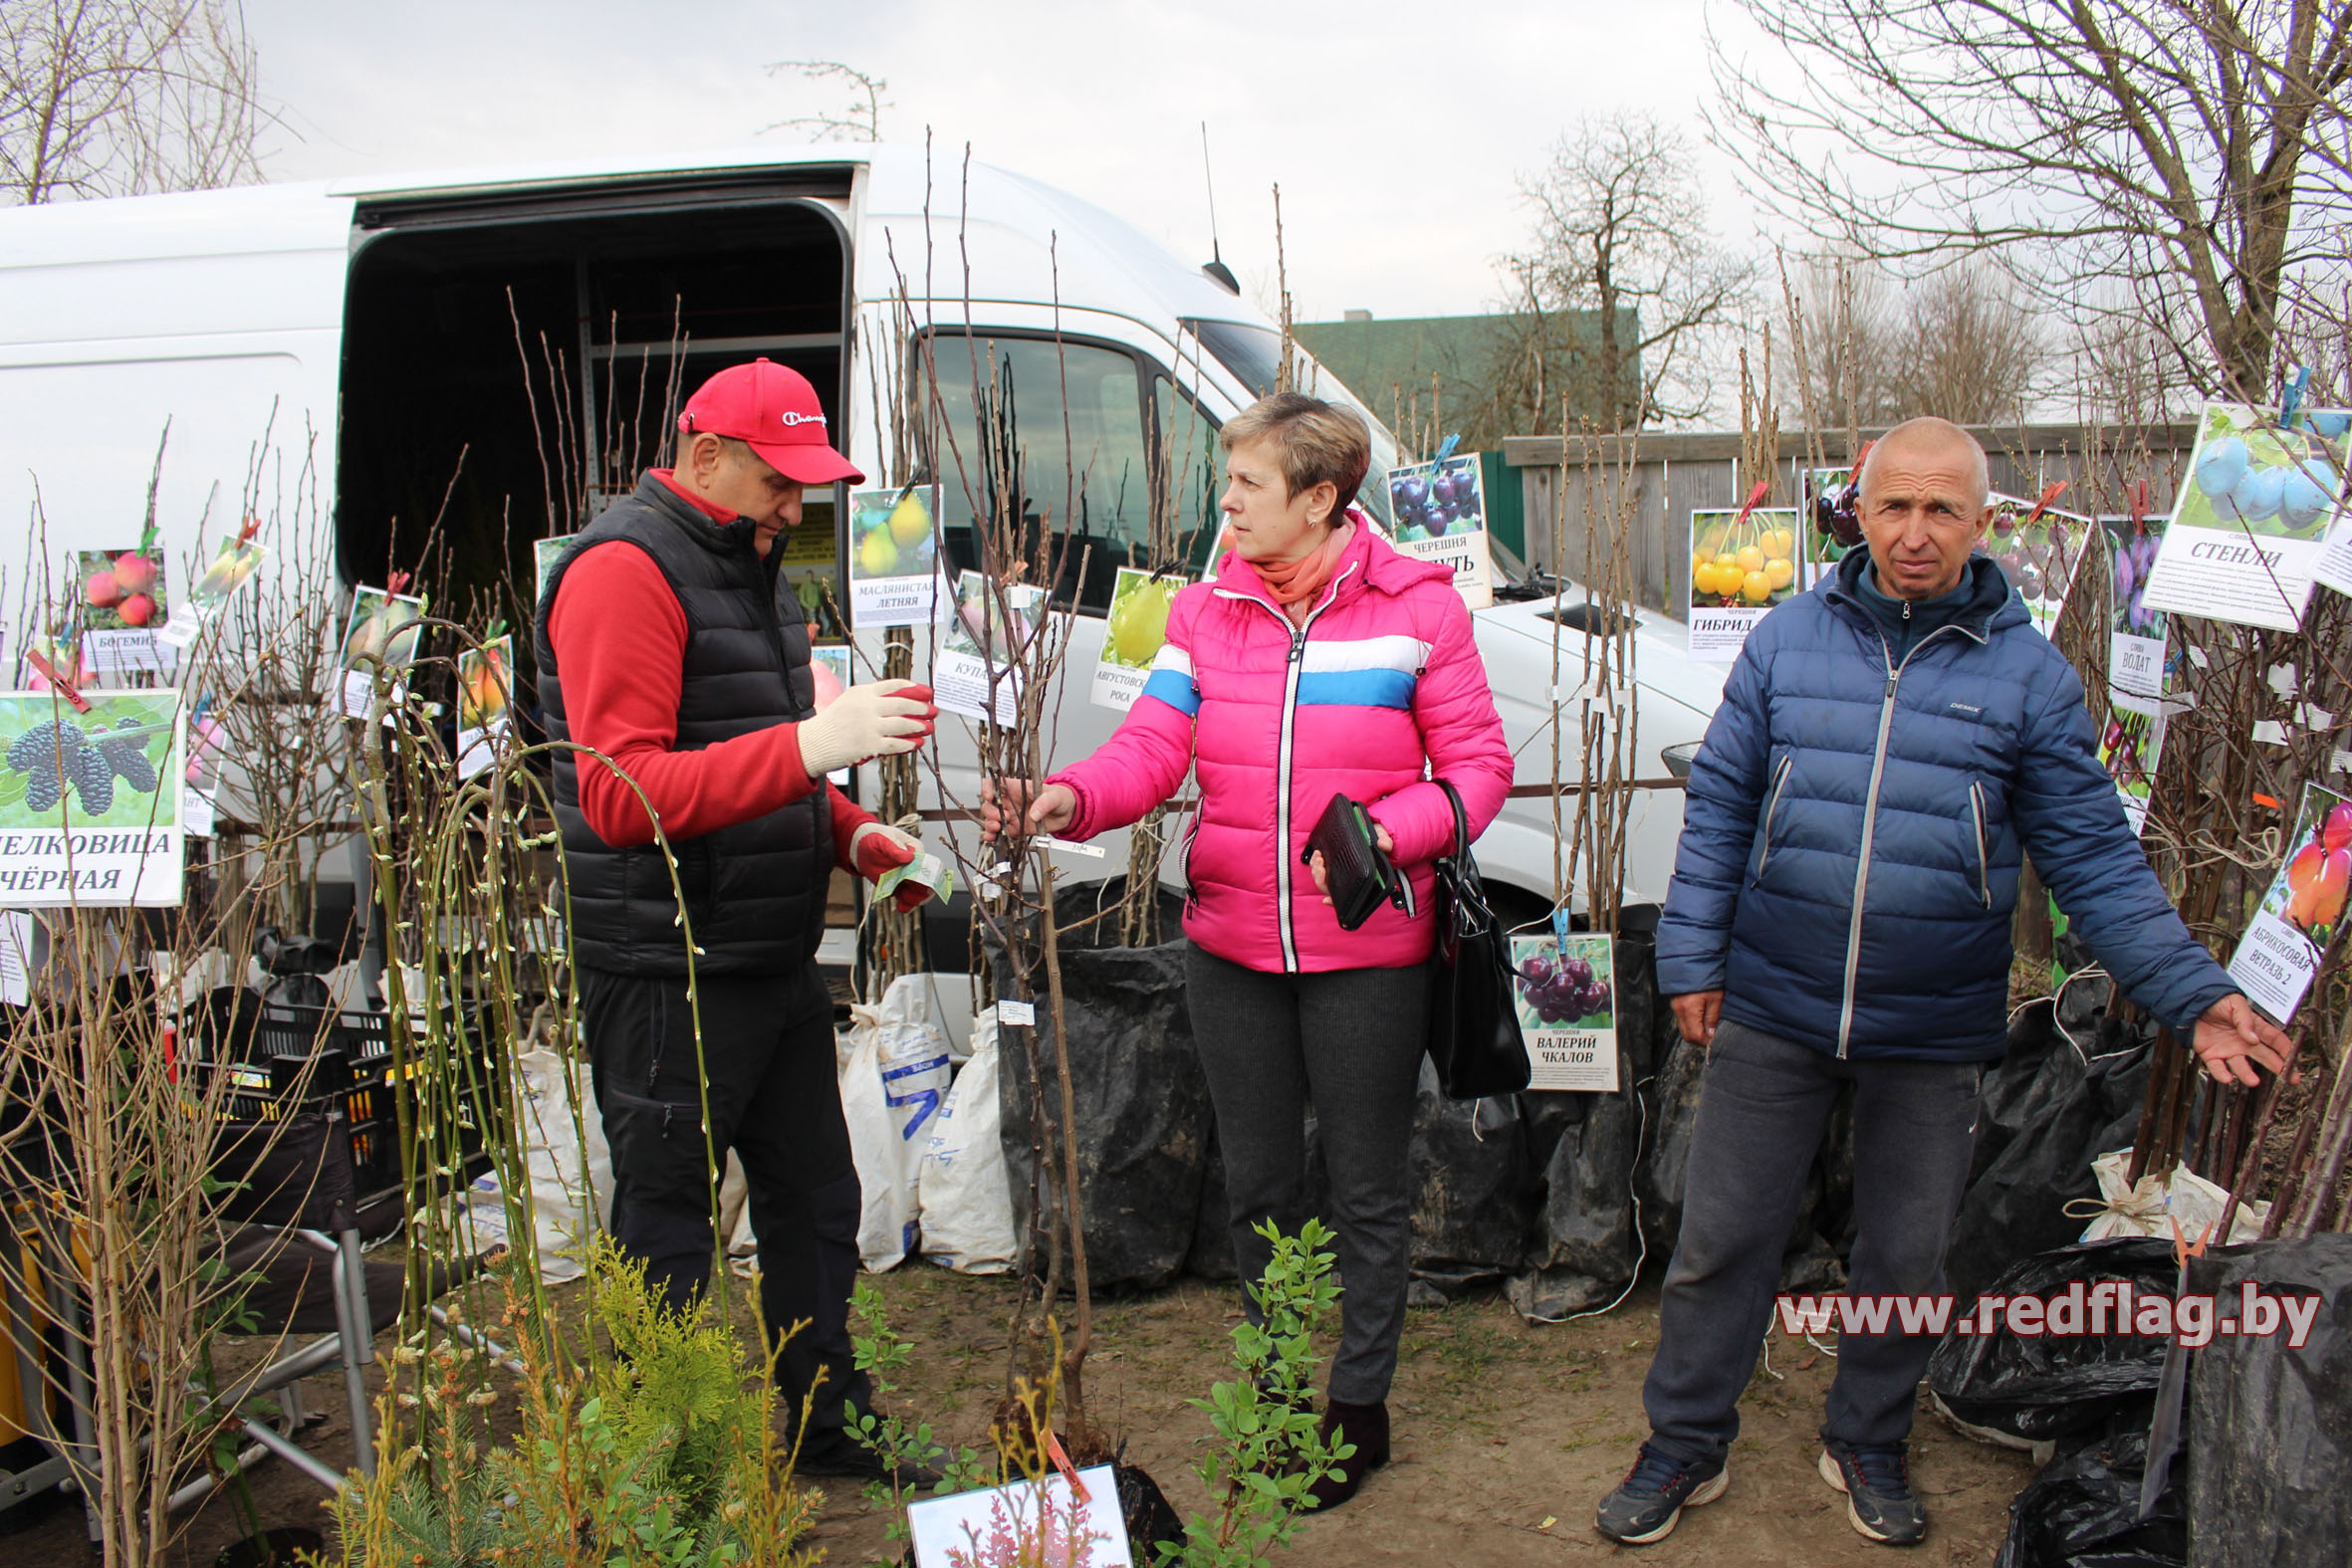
(1133, 635)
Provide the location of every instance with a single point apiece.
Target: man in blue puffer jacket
(1889, 747)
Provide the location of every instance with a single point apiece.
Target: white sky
(1397, 131)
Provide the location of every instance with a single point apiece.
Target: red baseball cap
(772, 409)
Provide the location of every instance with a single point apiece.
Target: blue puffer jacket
(1853, 842)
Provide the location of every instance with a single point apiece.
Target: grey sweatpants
(1761, 1107)
(1349, 1040)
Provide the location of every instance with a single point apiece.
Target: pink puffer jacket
(1385, 675)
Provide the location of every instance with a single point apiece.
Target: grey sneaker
(1653, 1496)
(1876, 1479)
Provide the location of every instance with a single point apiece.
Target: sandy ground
(1507, 1435)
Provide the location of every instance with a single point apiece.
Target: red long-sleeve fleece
(620, 640)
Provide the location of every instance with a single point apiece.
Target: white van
(385, 325)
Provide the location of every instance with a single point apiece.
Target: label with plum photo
(1566, 993)
(2302, 911)
(1441, 515)
(2136, 633)
(2039, 549)
(1741, 566)
(2128, 747)
(2252, 522)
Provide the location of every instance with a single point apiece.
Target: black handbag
(1360, 877)
(1473, 1035)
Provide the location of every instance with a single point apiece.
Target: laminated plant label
(2128, 749)
(2136, 633)
(124, 604)
(829, 673)
(2039, 550)
(978, 669)
(1132, 635)
(545, 553)
(1063, 1520)
(382, 635)
(2254, 518)
(231, 570)
(894, 568)
(90, 802)
(1743, 565)
(485, 703)
(1832, 521)
(1441, 515)
(1565, 989)
(2302, 910)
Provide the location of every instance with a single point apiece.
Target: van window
(1081, 461)
(1192, 464)
(1251, 355)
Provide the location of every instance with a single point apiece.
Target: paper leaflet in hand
(924, 870)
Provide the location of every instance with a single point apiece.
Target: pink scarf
(1293, 583)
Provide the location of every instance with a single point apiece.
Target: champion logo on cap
(773, 409)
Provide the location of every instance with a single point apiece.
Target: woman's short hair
(1313, 440)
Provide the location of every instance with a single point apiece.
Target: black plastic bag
(1143, 1116)
(2082, 1510)
(1472, 1197)
(2048, 1113)
(2269, 1422)
(2033, 1388)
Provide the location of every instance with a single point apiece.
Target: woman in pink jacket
(1318, 662)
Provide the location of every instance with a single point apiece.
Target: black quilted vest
(755, 892)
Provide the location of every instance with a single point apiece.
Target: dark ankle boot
(1365, 1425)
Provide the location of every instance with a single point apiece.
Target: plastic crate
(354, 1061)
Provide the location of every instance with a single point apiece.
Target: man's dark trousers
(1762, 1107)
(766, 1055)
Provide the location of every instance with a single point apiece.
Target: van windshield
(1252, 355)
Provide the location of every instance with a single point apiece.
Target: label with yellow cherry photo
(1741, 567)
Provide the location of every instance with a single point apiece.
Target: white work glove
(880, 720)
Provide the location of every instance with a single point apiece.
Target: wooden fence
(1670, 476)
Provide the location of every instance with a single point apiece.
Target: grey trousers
(1351, 1042)
(1761, 1107)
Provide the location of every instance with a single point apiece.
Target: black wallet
(1361, 877)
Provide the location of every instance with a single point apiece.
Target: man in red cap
(668, 649)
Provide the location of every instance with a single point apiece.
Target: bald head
(1933, 438)
(1925, 503)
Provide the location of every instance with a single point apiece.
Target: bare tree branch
(2179, 162)
(860, 120)
(116, 98)
(1620, 233)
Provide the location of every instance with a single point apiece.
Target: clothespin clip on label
(65, 688)
(1763, 488)
(2290, 402)
(2049, 493)
(251, 527)
(394, 584)
(1559, 928)
(2139, 506)
(496, 631)
(1445, 450)
(1070, 1471)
